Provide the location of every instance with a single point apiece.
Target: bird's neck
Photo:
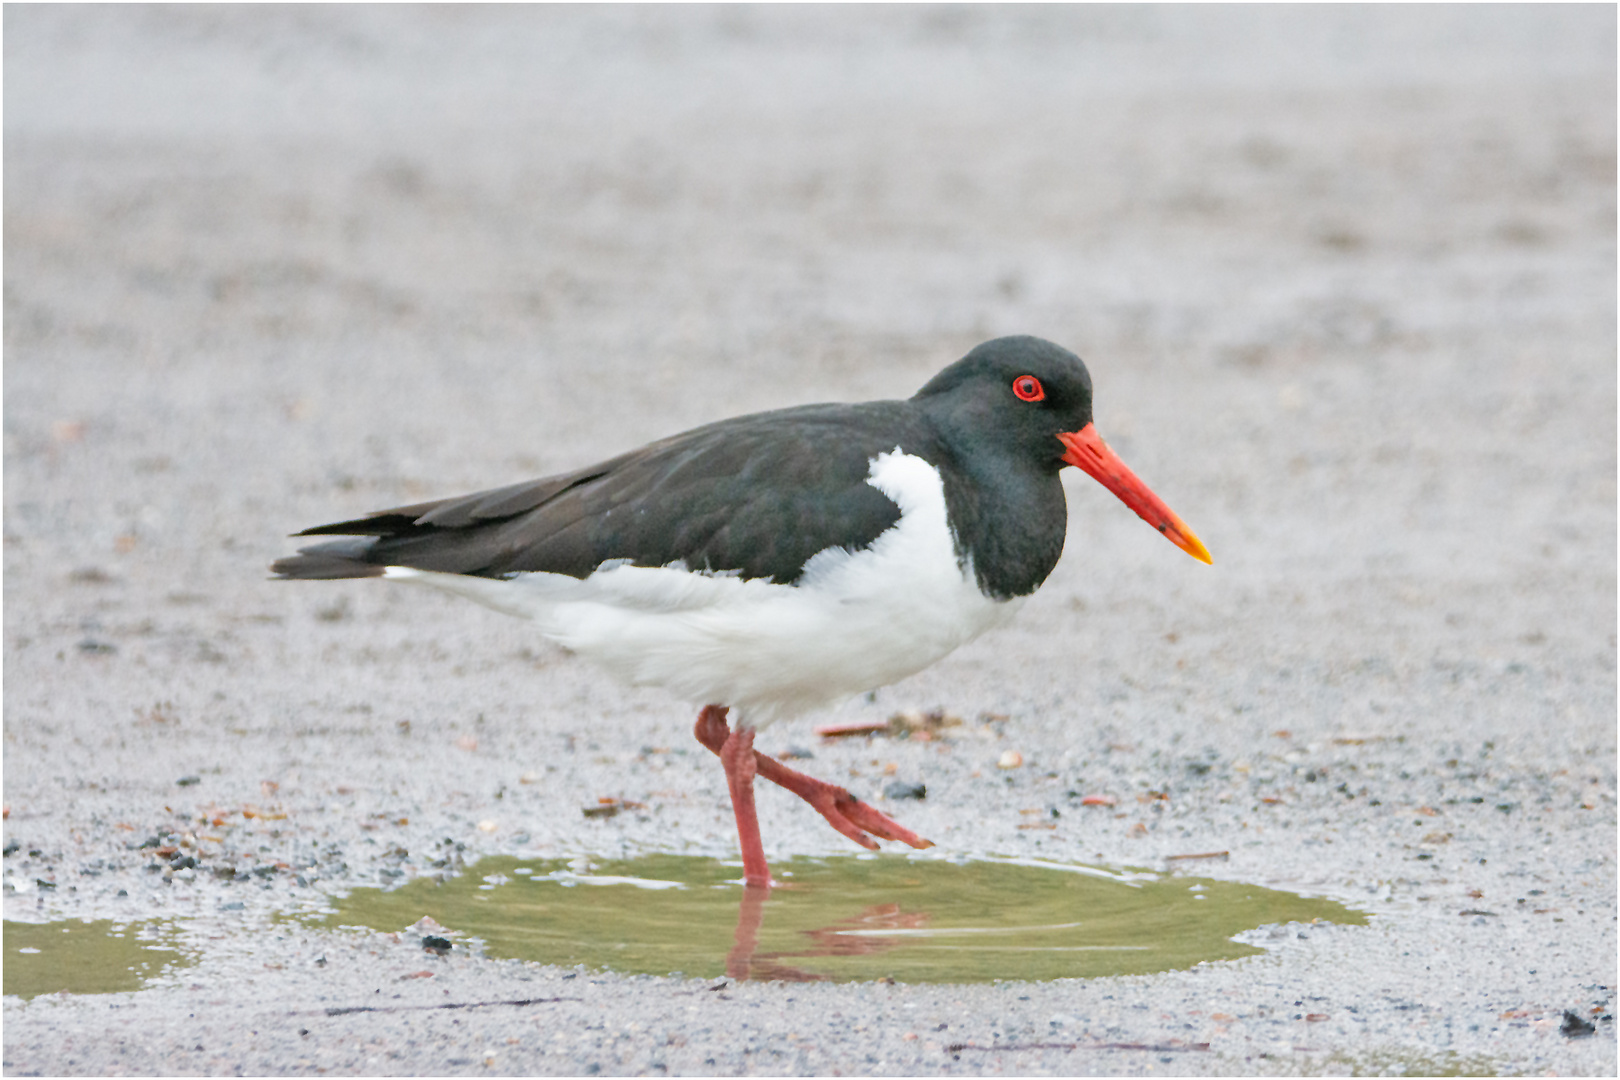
(1009, 518)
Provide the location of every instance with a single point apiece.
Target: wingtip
(318, 565)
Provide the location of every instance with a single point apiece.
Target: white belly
(854, 622)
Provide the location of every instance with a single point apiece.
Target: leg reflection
(845, 937)
(743, 962)
(750, 917)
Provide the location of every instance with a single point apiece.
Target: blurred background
(1345, 277)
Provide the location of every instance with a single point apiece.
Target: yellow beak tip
(1194, 547)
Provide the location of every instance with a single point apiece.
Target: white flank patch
(855, 621)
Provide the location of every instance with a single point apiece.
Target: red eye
(1029, 388)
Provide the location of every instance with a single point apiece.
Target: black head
(1014, 394)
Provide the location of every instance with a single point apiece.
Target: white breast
(854, 622)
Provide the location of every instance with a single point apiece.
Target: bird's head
(1027, 397)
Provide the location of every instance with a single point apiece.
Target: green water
(82, 956)
(1396, 1063)
(914, 920)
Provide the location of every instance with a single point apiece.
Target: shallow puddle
(915, 920)
(82, 956)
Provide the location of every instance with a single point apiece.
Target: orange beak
(1084, 449)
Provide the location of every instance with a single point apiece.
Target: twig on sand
(345, 1010)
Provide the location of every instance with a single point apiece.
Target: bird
(772, 564)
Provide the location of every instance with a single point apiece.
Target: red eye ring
(1029, 388)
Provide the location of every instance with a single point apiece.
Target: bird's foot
(855, 819)
(843, 811)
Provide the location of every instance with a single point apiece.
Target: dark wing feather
(758, 496)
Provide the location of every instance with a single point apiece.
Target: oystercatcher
(775, 563)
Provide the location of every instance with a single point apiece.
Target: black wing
(758, 495)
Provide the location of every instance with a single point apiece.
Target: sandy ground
(1345, 278)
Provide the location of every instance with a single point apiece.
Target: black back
(759, 495)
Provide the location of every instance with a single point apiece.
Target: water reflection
(866, 934)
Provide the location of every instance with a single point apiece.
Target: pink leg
(842, 810)
(737, 755)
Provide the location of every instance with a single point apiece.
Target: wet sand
(1345, 279)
